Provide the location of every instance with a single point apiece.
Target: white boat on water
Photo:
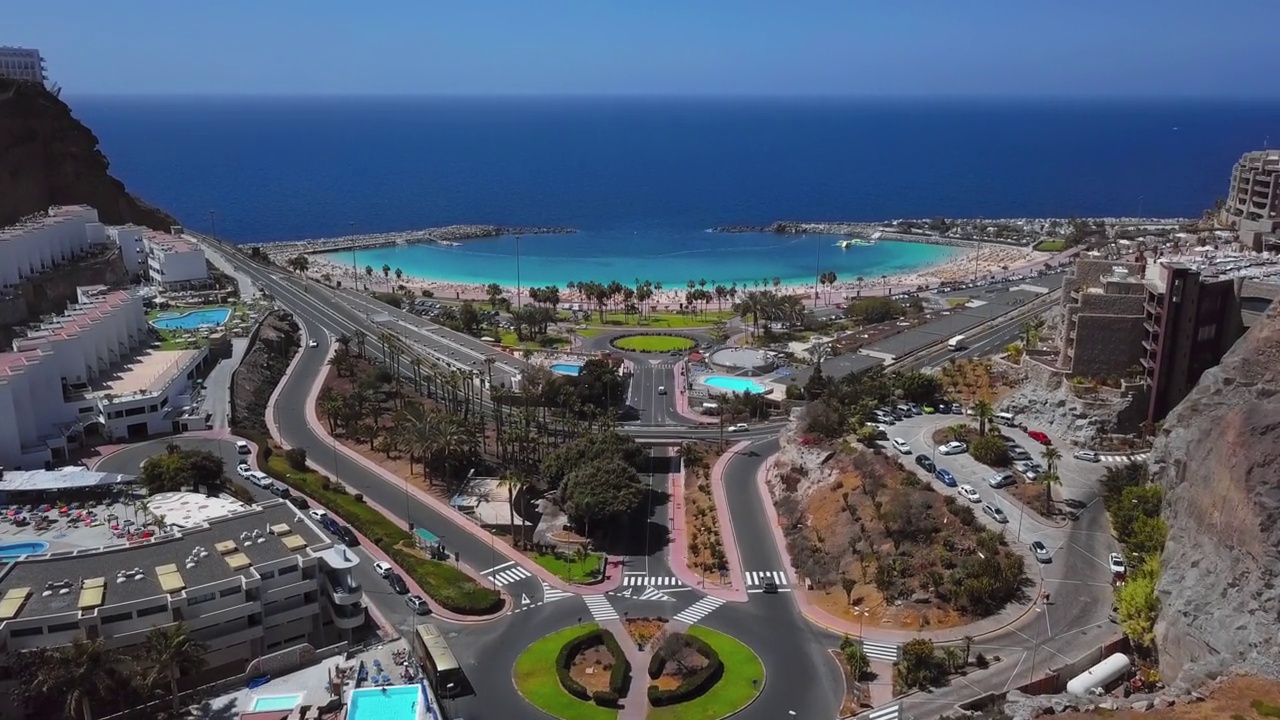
(854, 242)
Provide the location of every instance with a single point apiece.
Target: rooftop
(56, 215)
(131, 571)
(167, 242)
(148, 372)
(68, 478)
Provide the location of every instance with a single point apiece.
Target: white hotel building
(174, 262)
(41, 243)
(22, 64)
(258, 581)
(89, 373)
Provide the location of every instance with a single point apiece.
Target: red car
(1039, 437)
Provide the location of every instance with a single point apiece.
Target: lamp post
(862, 613)
(408, 519)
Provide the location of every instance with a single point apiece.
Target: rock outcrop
(1218, 459)
(48, 157)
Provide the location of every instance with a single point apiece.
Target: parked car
(346, 535)
(945, 477)
(901, 446)
(260, 479)
(318, 515)
(882, 431)
(243, 470)
(298, 501)
(968, 493)
(1075, 504)
(883, 418)
(417, 604)
(1039, 437)
(383, 568)
(740, 427)
(280, 491)
(1040, 551)
(243, 448)
(1116, 564)
(1087, 456)
(995, 513)
(915, 408)
(1017, 452)
(397, 583)
(955, 447)
(926, 462)
(905, 410)
(999, 480)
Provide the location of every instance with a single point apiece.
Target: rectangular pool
(394, 702)
(264, 703)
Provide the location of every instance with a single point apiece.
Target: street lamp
(862, 613)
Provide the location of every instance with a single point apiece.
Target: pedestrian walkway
(886, 712)
(506, 573)
(600, 608)
(698, 610)
(1140, 457)
(755, 579)
(647, 581)
(887, 652)
(550, 594)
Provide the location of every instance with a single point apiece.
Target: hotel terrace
(174, 262)
(255, 581)
(89, 374)
(43, 242)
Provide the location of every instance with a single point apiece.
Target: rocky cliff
(1218, 460)
(48, 157)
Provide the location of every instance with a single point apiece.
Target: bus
(437, 660)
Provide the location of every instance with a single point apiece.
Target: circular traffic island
(702, 675)
(653, 343)
(578, 673)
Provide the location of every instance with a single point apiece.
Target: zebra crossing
(698, 610)
(1123, 458)
(600, 608)
(884, 712)
(888, 652)
(550, 594)
(760, 577)
(506, 573)
(648, 581)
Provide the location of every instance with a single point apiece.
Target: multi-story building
(22, 64)
(257, 581)
(42, 242)
(131, 239)
(1102, 316)
(174, 262)
(1253, 201)
(89, 372)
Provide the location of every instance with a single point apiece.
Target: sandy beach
(977, 262)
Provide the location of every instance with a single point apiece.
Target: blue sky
(803, 47)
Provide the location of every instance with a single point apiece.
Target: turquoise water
(18, 549)
(672, 257)
(733, 384)
(275, 702)
(193, 319)
(566, 368)
(390, 703)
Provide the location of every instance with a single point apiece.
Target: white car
(954, 448)
(968, 493)
(999, 480)
(313, 343)
(1087, 456)
(383, 568)
(243, 470)
(317, 514)
(740, 427)
(260, 479)
(901, 446)
(243, 448)
(1116, 564)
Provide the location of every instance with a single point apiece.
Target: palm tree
(368, 271)
(171, 652)
(399, 274)
(331, 404)
(514, 482)
(386, 272)
(1051, 457)
(1049, 478)
(983, 410)
(78, 675)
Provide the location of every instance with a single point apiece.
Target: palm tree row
(770, 306)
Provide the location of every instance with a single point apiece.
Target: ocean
(643, 178)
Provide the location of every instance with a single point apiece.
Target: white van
(1005, 419)
(243, 448)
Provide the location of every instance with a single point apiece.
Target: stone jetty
(448, 235)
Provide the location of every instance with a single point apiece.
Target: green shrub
(619, 675)
(564, 661)
(990, 450)
(605, 698)
(297, 458)
(696, 684)
(657, 661)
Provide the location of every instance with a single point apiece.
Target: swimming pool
(566, 368)
(192, 319)
(397, 702)
(264, 703)
(18, 549)
(733, 384)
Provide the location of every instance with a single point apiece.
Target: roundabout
(538, 682)
(739, 683)
(654, 343)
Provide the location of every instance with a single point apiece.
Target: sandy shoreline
(979, 262)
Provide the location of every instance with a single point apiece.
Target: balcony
(1153, 330)
(1149, 344)
(1147, 363)
(343, 593)
(348, 617)
(273, 617)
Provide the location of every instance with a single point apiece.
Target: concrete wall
(1107, 345)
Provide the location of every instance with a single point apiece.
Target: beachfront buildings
(1160, 323)
(258, 582)
(89, 374)
(174, 262)
(22, 63)
(133, 247)
(42, 242)
(1253, 201)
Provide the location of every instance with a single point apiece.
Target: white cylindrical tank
(1101, 675)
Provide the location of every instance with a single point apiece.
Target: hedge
(619, 675)
(455, 590)
(695, 685)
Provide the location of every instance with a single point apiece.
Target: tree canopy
(597, 445)
(604, 489)
(180, 468)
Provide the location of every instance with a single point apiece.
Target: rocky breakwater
(447, 235)
(1218, 460)
(852, 229)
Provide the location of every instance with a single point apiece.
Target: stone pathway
(635, 706)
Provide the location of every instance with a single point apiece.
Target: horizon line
(1016, 97)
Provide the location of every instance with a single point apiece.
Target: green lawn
(654, 343)
(571, 569)
(734, 690)
(957, 302)
(509, 339)
(665, 320)
(1051, 246)
(535, 676)
(587, 332)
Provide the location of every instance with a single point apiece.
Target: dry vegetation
(972, 380)
(591, 668)
(706, 548)
(1239, 698)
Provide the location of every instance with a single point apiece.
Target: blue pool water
(733, 384)
(193, 319)
(275, 702)
(566, 368)
(18, 549)
(390, 703)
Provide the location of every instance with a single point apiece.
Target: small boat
(854, 242)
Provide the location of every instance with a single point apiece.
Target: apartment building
(1102, 316)
(259, 580)
(1253, 201)
(22, 64)
(42, 242)
(131, 239)
(174, 262)
(89, 373)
